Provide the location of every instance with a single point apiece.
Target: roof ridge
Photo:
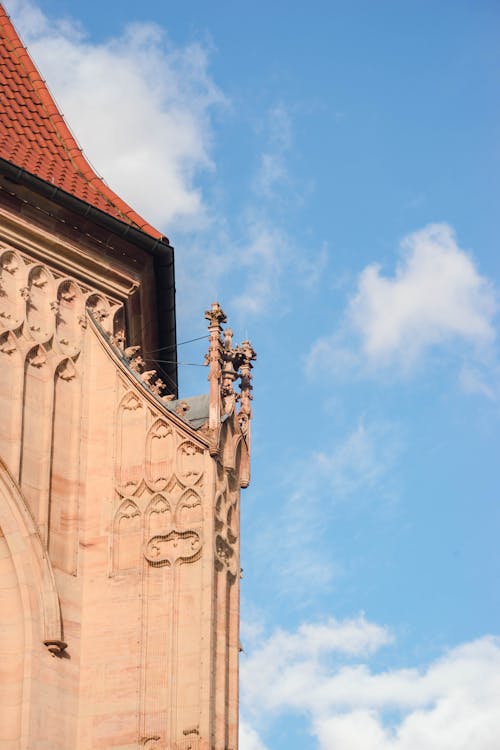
(61, 137)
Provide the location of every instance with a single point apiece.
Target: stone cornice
(68, 258)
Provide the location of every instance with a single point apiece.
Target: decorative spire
(226, 365)
(248, 356)
(215, 317)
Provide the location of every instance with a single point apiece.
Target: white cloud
(436, 297)
(481, 381)
(356, 468)
(361, 460)
(262, 258)
(272, 171)
(249, 738)
(321, 672)
(139, 105)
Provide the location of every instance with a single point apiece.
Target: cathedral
(119, 501)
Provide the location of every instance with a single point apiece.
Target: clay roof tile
(35, 137)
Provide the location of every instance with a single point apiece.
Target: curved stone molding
(12, 280)
(181, 540)
(158, 516)
(127, 537)
(69, 311)
(189, 511)
(64, 475)
(131, 424)
(40, 299)
(159, 455)
(174, 547)
(189, 462)
(99, 308)
(11, 389)
(36, 434)
(34, 571)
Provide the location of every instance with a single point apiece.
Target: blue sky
(330, 173)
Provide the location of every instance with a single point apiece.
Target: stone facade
(119, 518)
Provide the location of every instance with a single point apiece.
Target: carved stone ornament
(7, 344)
(56, 648)
(174, 547)
(189, 462)
(38, 358)
(131, 403)
(227, 364)
(10, 264)
(66, 370)
(226, 555)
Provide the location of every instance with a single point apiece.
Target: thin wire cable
(174, 362)
(174, 346)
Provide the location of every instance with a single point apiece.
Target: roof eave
(159, 247)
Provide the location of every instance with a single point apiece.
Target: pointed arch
(160, 456)
(31, 617)
(98, 306)
(40, 299)
(12, 280)
(70, 310)
(130, 448)
(127, 537)
(11, 407)
(65, 466)
(36, 435)
(158, 516)
(189, 511)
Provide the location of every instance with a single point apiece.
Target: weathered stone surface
(119, 522)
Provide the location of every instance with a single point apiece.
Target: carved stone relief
(39, 297)
(11, 388)
(36, 434)
(174, 547)
(131, 425)
(189, 462)
(99, 308)
(159, 455)
(227, 532)
(158, 516)
(127, 533)
(69, 311)
(52, 310)
(182, 542)
(64, 474)
(12, 305)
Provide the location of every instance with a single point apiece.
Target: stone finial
(215, 316)
(118, 339)
(228, 339)
(148, 375)
(247, 356)
(157, 387)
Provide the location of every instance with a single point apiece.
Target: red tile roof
(34, 136)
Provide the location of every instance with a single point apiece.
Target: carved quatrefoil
(174, 547)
